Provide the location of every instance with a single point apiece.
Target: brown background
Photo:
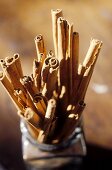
(21, 21)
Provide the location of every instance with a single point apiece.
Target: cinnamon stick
(27, 82)
(9, 88)
(18, 64)
(50, 87)
(28, 98)
(34, 131)
(39, 98)
(93, 51)
(40, 48)
(45, 70)
(12, 73)
(89, 63)
(40, 104)
(21, 97)
(69, 60)
(72, 121)
(49, 116)
(32, 117)
(55, 15)
(63, 71)
(37, 66)
(75, 56)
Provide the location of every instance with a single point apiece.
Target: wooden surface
(21, 21)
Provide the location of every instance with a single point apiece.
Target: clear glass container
(53, 156)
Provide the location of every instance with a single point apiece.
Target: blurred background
(20, 22)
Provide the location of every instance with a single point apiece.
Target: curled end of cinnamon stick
(56, 11)
(38, 38)
(16, 56)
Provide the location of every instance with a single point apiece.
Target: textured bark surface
(20, 22)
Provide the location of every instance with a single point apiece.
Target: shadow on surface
(97, 158)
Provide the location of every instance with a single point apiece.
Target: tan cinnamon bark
(12, 73)
(75, 56)
(37, 66)
(89, 63)
(69, 60)
(40, 47)
(93, 52)
(55, 15)
(18, 64)
(63, 70)
(32, 117)
(51, 77)
(10, 90)
(34, 131)
(49, 116)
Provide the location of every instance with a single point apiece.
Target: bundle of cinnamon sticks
(51, 99)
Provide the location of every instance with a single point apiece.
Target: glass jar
(51, 156)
